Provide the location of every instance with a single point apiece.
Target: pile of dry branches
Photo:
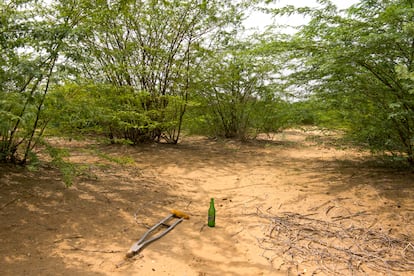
(335, 246)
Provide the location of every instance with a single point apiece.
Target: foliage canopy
(143, 70)
(360, 64)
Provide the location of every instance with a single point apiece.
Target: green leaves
(151, 46)
(32, 36)
(361, 63)
(234, 90)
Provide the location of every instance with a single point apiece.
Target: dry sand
(48, 229)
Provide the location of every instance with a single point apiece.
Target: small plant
(123, 160)
(67, 169)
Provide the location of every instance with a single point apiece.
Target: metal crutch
(141, 243)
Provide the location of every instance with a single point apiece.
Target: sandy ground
(48, 229)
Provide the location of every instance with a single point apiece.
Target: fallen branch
(332, 247)
(95, 251)
(8, 203)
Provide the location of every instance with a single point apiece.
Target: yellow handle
(180, 214)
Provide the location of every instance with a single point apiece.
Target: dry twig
(333, 248)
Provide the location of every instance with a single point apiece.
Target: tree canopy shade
(360, 63)
(132, 70)
(143, 52)
(32, 37)
(152, 47)
(160, 55)
(236, 92)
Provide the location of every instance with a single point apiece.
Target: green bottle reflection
(211, 214)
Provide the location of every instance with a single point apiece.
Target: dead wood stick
(95, 251)
(8, 203)
(350, 216)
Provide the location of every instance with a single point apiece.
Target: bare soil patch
(293, 203)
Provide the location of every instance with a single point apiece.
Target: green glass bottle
(211, 214)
